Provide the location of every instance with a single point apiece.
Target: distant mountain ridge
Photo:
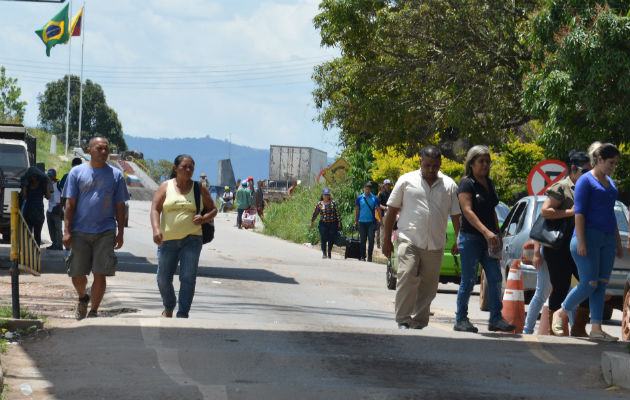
(206, 151)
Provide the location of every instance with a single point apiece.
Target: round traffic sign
(545, 174)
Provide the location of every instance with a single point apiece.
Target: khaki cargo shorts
(92, 252)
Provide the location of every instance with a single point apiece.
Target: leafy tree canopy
(409, 69)
(578, 83)
(11, 108)
(98, 118)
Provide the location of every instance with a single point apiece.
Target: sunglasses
(582, 170)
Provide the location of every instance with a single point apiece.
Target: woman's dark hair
(577, 159)
(178, 160)
(606, 151)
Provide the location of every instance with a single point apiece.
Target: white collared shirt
(424, 209)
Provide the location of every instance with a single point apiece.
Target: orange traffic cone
(544, 328)
(513, 298)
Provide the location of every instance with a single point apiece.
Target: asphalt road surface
(272, 320)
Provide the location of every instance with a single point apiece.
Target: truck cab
(17, 154)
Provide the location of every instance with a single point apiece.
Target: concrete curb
(616, 368)
(22, 324)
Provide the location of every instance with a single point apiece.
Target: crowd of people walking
(91, 201)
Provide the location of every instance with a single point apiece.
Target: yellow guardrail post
(15, 255)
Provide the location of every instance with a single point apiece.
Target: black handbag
(207, 229)
(552, 233)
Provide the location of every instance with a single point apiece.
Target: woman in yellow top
(178, 234)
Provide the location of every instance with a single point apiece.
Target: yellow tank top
(178, 211)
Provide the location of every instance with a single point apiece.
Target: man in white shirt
(424, 198)
(54, 215)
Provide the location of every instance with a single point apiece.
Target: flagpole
(81, 79)
(68, 96)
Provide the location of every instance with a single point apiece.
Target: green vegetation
(11, 108)
(290, 219)
(43, 152)
(7, 312)
(98, 118)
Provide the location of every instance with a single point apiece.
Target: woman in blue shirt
(595, 241)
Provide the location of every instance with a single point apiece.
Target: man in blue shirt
(95, 196)
(367, 206)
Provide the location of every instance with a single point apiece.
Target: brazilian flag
(56, 30)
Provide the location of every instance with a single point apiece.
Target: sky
(184, 69)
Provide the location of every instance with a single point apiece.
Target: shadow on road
(53, 262)
(172, 361)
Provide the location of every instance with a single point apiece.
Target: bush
(290, 219)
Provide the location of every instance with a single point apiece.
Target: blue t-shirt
(596, 203)
(365, 214)
(97, 191)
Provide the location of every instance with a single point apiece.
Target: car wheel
(625, 321)
(608, 311)
(483, 293)
(390, 276)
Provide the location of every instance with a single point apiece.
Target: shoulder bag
(552, 233)
(207, 229)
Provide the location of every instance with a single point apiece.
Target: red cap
(250, 179)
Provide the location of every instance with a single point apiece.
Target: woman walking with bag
(177, 232)
(479, 241)
(329, 222)
(595, 241)
(559, 204)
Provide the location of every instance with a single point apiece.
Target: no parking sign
(545, 174)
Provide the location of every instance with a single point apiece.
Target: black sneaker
(369, 259)
(501, 326)
(92, 314)
(465, 326)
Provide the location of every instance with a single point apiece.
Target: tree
(11, 108)
(158, 170)
(98, 118)
(578, 82)
(412, 69)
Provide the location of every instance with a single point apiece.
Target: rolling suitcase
(352, 246)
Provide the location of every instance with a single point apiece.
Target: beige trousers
(418, 278)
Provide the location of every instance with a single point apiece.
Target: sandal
(602, 336)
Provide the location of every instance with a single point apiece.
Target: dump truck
(17, 154)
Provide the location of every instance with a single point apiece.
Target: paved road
(272, 320)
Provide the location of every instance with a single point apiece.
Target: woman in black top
(479, 241)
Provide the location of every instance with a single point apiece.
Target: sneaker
(403, 325)
(465, 326)
(92, 314)
(501, 326)
(167, 314)
(82, 308)
(369, 259)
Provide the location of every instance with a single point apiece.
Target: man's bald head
(96, 139)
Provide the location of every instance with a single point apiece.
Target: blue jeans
(473, 250)
(328, 234)
(239, 217)
(185, 251)
(594, 270)
(366, 233)
(543, 290)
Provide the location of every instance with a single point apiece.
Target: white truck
(17, 154)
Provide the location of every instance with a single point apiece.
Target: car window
(516, 222)
(502, 212)
(622, 220)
